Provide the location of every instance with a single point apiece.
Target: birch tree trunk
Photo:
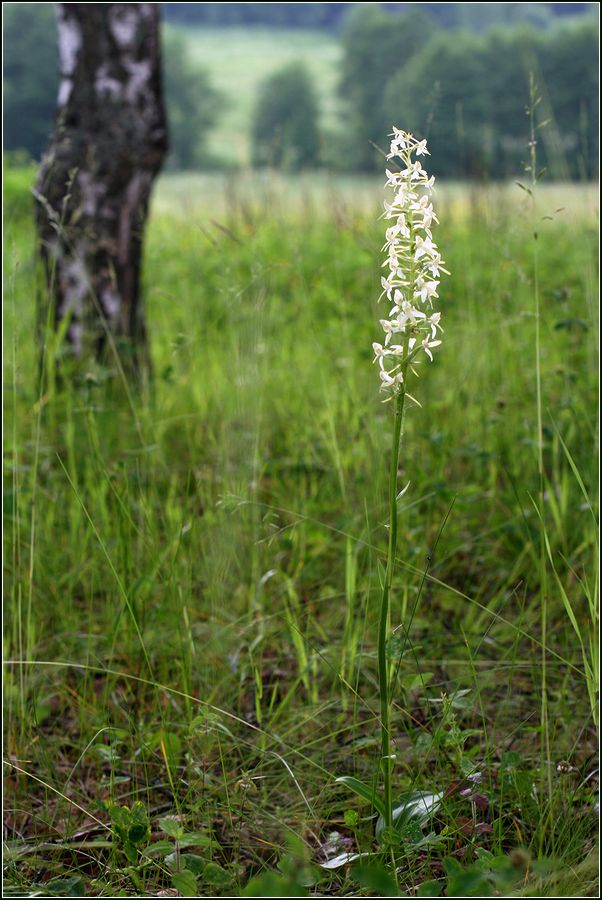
(94, 183)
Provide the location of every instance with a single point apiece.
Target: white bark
(95, 181)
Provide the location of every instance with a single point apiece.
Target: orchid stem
(385, 614)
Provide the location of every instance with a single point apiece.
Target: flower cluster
(414, 265)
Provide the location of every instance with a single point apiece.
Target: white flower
(422, 203)
(427, 343)
(397, 300)
(389, 381)
(424, 208)
(404, 196)
(434, 323)
(414, 171)
(392, 209)
(393, 178)
(435, 265)
(379, 353)
(395, 350)
(393, 263)
(428, 290)
(424, 246)
(390, 234)
(409, 314)
(378, 350)
(413, 262)
(395, 232)
(428, 217)
(389, 329)
(387, 287)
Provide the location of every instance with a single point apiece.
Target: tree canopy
(468, 96)
(333, 16)
(285, 123)
(457, 73)
(30, 76)
(192, 104)
(31, 85)
(375, 45)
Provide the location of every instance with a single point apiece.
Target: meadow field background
(191, 571)
(193, 565)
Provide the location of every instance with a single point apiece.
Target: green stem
(383, 630)
(546, 771)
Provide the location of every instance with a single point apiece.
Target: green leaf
(192, 861)
(511, 759)
(160, 848)
(396, 647)
(429, 840)
(66, 887)
(194, 839)
(172, 828)
(415, 680)
(412, 832)
(120, 820)
(429, 889)
(131, 852)
(469, 883)
(131, 826)
(138, 834)
(376, 878)
(138, 813)
(185, 883)
(570, 324)
(172, 861)
(460, 699)
(363, 790)
(214, 874)
(294, 865)
(270, 884)
(412, 807)
(452, 867)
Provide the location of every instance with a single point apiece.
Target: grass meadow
(192, 568)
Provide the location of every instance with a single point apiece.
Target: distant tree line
(271, 15)
(467, 94)
(465, 90)
(31, 76)
(332, 16)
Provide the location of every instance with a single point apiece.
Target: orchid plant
(411, 332)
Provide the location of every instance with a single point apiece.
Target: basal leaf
(363, 790)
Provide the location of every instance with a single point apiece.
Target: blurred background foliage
(319, 84)
(285, 121)
(192, 103)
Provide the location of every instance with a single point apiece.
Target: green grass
(192, 575)
(240, 59)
